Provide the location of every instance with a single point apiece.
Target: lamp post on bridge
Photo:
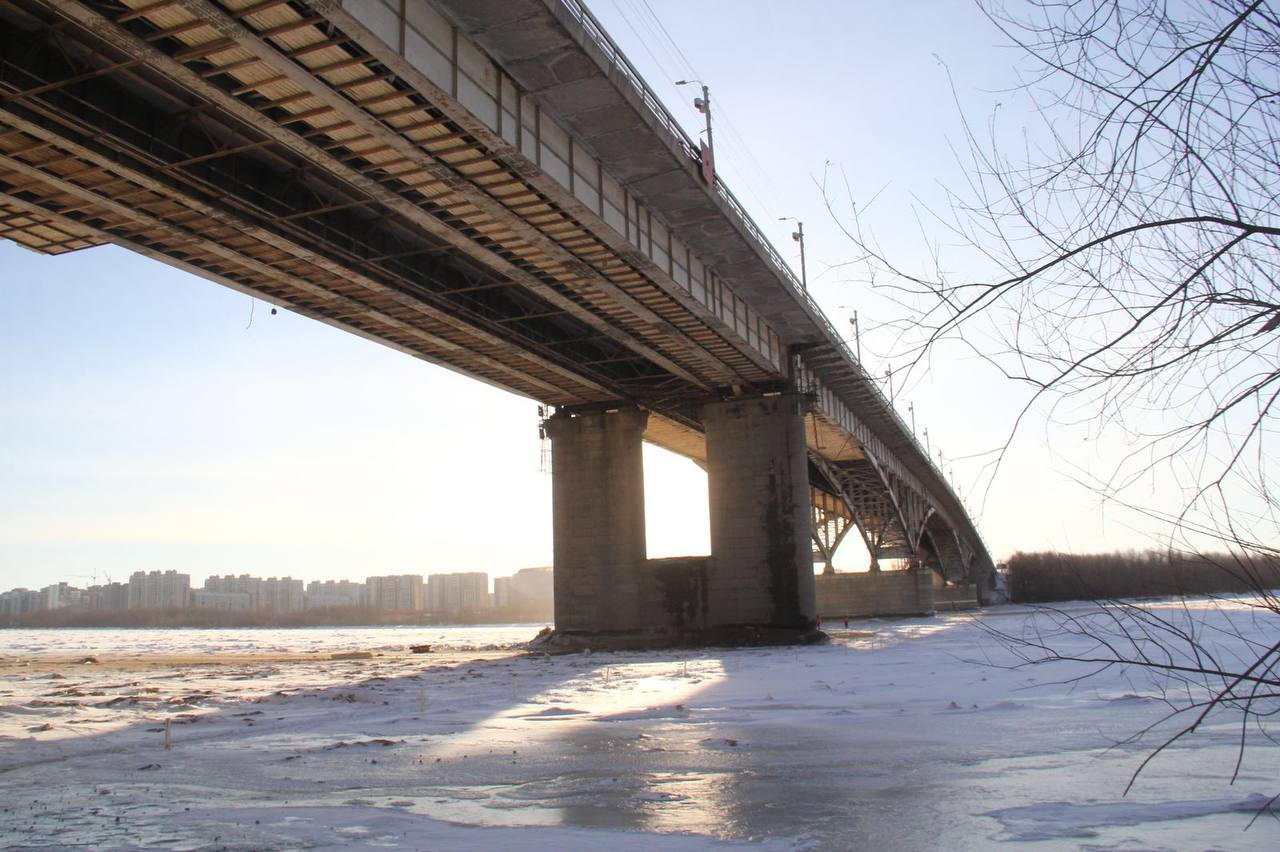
(798, 236)
(703, 105)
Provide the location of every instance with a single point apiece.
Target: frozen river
(908, 734)
(44, 644)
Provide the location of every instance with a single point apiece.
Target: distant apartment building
(107, 596)
(501, 591)
(250, 587)
(225, 601)
(159, 590)
(532, 586)
(283, 594)
(396, 593)
(335, 593)
(51, 597)
(457, 592)
(60, 596)
(20, 601)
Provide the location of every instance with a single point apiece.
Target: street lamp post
(703, 105)
(798, 236)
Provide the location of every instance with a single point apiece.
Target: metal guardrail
(620, 61)
(614, 54)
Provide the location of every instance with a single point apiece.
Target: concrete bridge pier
(598, 517)
(756, 587)
(760, 576)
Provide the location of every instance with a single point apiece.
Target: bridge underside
(279, 148)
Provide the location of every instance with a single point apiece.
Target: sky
(153, 420)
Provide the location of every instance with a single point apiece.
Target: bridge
(491, 186)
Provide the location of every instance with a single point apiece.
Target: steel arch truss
(832, 520)
(945, 550)
(895, 520)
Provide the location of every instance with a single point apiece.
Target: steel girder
(895, 520)
(832, 520)
(953, 565)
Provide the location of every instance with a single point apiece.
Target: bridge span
(489, 185)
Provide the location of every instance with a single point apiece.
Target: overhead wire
(741, 144)
(741, 164)
(678, 52)
(644, 42)
(742, 152)
(647, 21)
(726, 119)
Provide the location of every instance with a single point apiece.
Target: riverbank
(183, 617)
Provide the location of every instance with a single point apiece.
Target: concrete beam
(872, 594)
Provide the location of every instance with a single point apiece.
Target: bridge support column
(760, 578)
(598, 515)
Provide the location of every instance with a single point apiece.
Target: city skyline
(105, 577)
(438, 593)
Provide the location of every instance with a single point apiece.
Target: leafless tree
(1135, 231)
(1131, 242)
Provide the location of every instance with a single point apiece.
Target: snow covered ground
(904, 734)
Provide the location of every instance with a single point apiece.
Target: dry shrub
(1049, 576)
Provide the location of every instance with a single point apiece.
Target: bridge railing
(592, 27)
(610, 48)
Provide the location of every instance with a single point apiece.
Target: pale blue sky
(143, 426)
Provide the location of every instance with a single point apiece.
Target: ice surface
(1071, 819)
(911, 734)
(304, 640)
